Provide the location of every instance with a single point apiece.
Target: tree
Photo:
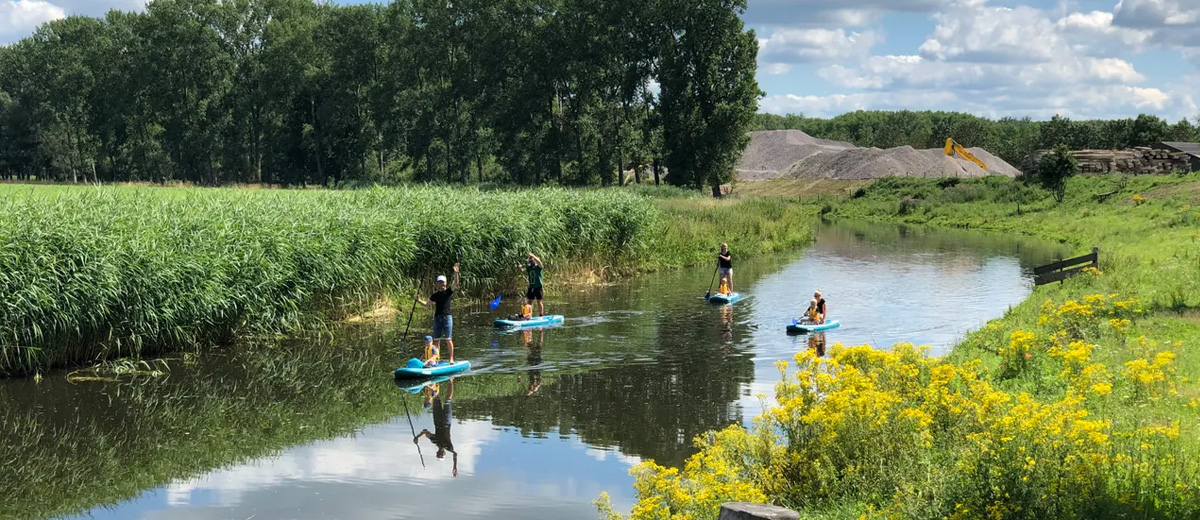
(1055, 168)
(1147, 130)
(709, 93)
(1183, 131)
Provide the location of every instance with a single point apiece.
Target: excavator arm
(953, 147)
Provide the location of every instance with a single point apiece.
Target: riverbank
(101, 273)
(1080, 402)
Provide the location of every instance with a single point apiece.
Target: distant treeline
(295, 92)
(1008, 138)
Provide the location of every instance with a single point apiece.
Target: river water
(544, 422)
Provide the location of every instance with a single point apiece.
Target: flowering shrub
(1020, 349)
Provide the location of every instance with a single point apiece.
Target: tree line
(293, 92)
(1011, 139)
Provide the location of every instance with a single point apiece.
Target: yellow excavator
(953, 147)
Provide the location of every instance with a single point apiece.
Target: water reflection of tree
(648, 410)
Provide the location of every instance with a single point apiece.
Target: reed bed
(96, 273)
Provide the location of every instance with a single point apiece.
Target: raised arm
(455, 284)
(536, 261)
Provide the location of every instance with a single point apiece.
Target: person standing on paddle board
(443, 322)
(725, 259)
(441, 425)
(533, 272)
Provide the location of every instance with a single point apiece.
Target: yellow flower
(1102, 389)
(1120, 326)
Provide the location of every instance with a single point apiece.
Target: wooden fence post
(751, 511)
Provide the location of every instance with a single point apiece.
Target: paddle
(407, 325)
(708, 294)
(495, 303)
(414, 430)
(410, 317)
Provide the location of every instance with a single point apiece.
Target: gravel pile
(772, 153)
(796, 155)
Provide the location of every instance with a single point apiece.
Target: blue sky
(995, 58)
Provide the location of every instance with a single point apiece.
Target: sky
(994, 58)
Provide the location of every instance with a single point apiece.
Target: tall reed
(91, 273)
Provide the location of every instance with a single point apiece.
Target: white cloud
(1157, 14)
(1193, 55)
(775, 69)
(18, 18)
(809, 45)
(899, 72)
(380, 453)
(1111, 101)
(995, 35)
(1171, 23)
(1094, 34)
(825, 13)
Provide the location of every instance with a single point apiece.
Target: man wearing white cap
(443, 322)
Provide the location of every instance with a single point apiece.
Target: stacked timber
(1140, 160)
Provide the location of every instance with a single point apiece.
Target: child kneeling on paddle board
(431, 353)
(526, 313)
(810, 316)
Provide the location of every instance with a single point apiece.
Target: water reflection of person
(817, 343)
(441, 422)
(533, 355)
(727, 322)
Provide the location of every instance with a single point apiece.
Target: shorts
(443, 327)
(534, 293)
(726, 270)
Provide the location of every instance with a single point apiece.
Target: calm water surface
(543, 423)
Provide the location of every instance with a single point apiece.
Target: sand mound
(771, 153)
(794, 154)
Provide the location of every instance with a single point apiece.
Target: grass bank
(1082, 402)
(94, 273)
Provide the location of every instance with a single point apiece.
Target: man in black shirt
(533, 272)
(443, 322)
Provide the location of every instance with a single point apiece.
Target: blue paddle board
(803, 328)
(415, 370)
(725, 298)
(533, 322)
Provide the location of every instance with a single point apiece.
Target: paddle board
(725, 298)
(801, 328)
(415, 370)
(534, 322)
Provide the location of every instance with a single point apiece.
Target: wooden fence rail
(1058, 271)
